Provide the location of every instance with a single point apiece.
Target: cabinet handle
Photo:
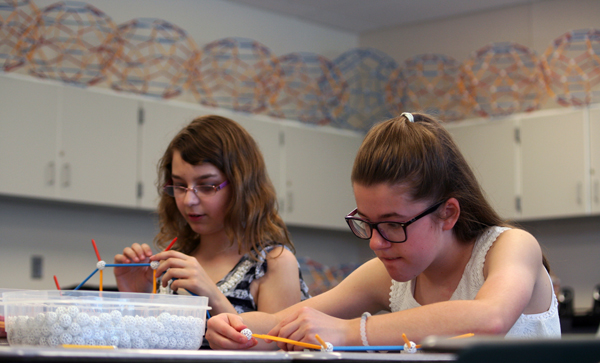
(596, 197)
(66, 175)
(579, 192)
(50, 174)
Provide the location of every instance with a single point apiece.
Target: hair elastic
(409, 116)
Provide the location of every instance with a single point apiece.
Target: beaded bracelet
(363, 328)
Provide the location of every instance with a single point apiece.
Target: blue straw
(367, 348)
(84, 281)
(126, 264)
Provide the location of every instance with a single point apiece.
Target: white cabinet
(98, 146)
(68, 143)
(490, 149)
(162, 120)
(554, 159)
(318, 165)
(550, 166)
(28, 116)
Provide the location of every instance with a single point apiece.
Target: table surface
(489, 350)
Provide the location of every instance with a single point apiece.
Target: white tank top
(542, 325)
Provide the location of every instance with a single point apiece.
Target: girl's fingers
(169, 254)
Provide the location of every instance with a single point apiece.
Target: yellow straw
(284, 340)
(75, 346)
(321, 341)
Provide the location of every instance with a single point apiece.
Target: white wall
(62, 232)
(572, 245)
(534, 25)
(209, 20)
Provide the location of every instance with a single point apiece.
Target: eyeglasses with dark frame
(206, 190)
(394, 232)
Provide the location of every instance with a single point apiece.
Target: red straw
(171, 244)
(96, 249)
(56, 282)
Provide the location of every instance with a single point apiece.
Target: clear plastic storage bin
(123, 320)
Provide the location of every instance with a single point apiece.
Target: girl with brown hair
(446, 262)
(232, 245)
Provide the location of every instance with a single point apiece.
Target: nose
(377, 242)
(190, 198)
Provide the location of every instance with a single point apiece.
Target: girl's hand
(303, 324)
(187, 271)
(224, 332)
(134, 279)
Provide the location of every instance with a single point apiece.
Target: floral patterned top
(236, 284)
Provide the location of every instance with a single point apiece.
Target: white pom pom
(154, 265)
(101, 265)
(247, 332)
(412, 349)
(329, 347)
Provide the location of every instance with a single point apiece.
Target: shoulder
(516, 238)
(279, 257)
(514, 246)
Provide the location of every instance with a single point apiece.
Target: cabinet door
(553, 164)
(491, 151)
(266, 133)
(28, 112)
(594, 117)
(318, 165)
(98, 153)
(162, 121)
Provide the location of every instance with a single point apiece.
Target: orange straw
(101, 273)
(154, 281)
(56, 282)
(321, 341)
(405, 339)
(463, 336)
(284, 340)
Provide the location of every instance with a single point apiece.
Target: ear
(449, 213)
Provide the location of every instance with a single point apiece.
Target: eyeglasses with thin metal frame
(394, 232)
(206, 190)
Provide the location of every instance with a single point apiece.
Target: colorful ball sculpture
(16, 16)
(429, 83)
(367, 72)
(155, 59)
(72, 42)
(236, 73)
(572, 66)
(504, 78)
(313, 89)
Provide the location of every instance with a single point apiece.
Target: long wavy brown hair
(251, 219)
(423, 156)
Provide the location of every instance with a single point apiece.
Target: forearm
(447, 318)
